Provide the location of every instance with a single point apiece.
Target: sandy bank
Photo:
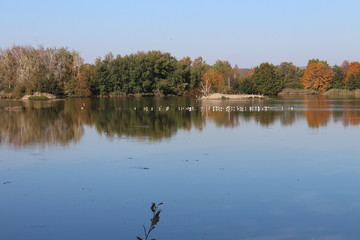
(217, 96)
(39, 94)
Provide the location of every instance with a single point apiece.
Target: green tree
(100, 83)
(246, 85)
(323, 62)
(266, 79)
(198, 68)
(290, 75)
(354, 81)
(338, 78)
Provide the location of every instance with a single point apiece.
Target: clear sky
(245, 32)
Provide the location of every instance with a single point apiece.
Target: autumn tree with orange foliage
(211, 82)
(85, 73)
(250, 72)
(353, 69)
(317, 76)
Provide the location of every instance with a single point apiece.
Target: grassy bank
(331, 92)
(39, 98)
(339, 92)
(293, 91)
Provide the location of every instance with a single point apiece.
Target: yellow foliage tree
(317, 76)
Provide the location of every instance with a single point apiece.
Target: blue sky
(244, 32)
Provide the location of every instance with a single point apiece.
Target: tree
(224, 69)
(198, 68)
(290, 75)
(323, 62)
(354, 68)
(236, 74)
(210, 82)
(353, 82)
(317, 76)
(345, 67)
(7, 71)
(179, 79)
(83, 80)
(337, 80)
(100, 83)
(266, 79)
(246, 85)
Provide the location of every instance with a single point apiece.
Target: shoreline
(219, 96)
(331, 92)
(213, 96)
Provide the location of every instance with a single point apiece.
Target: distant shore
(213, 96)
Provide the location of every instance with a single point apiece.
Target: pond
(278, 168)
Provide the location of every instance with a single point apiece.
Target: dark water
(284, 168)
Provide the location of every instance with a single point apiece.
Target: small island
(39, 96)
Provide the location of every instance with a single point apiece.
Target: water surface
(280, 168)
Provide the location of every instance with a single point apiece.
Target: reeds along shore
(331, 92)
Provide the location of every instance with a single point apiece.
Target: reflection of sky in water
(246, 182)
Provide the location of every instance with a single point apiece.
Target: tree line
(59, 71)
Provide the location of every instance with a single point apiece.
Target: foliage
(154, 220)
(27, 70)
(353, 69)
(246, 85)
(86, 73)
(317, 76)
(198, 68)
(290, 75)
(213, 80)
(337, 80)
(223, 69)
(59, 71)
(323, 62)
(354, 81)
(151, 72)
(345, 67)
(266, 79)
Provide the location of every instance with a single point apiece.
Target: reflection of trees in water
(36, 125)
(351, 114)
(233, 118)
(128, 118)
(62, 121)
(351, 118)
(221, 119)
(317, 112)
